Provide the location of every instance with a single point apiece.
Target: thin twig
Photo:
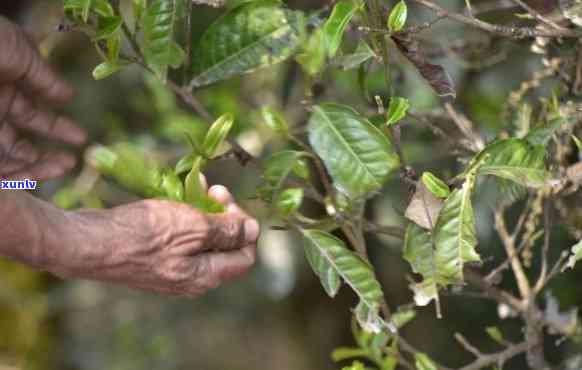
(513, 32)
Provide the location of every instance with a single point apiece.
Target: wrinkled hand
(26, 82)
(160, 246)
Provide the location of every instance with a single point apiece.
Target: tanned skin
(153, 245)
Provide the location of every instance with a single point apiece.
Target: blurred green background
(278, 317)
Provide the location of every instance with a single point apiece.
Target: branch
(513, 32)
(484, 360)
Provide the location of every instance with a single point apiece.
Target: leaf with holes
(455, 236)
(419, 252)
(250, 36)
(357, 155)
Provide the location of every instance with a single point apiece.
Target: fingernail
(252, 230)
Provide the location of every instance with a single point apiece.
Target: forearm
(44, 237)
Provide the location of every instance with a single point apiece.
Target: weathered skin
(153, 245)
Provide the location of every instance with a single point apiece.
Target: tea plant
(342, 154)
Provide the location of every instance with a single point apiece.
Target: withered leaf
(434, 74)
(424, 207)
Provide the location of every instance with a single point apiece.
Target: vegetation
(336, 151)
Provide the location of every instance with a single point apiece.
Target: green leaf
(323, 268)
(356, 365)
(172, 186)
(346, 353)
(312, 56)
(251, 36)
(495, 334)
(331, 259)
(396, 110)
(435, 185)
(336, 24)
(195, 194)
(289, 201)
(576, 255)
(423, 362)
(217, 134)
(515, 160)
(105, 70)
(578, 143)
(397, 17)
(130, 167)
(139, 9)
(542, 134)
(107, 27)
(455, 235)
(281, 165)
(159, 47)
(362, 54)
(275, 120)
(403, 317)
(419, 252)
(357, 155)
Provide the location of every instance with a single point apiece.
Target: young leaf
(107, 27)
(396, 110)
(281, 165)
(195, 194)
(397, 17)
(129, 166)
(139, 8)
(105, 70)
(357, 155)
(172, 186)
(253, 35)
(159, 47)
(330, 259)
(217, 134)
(576, 255)
(455, 235)
(336, 24)
(494, 333)
(275, 120)
(435, 185)
(312, 57)
(289, 201)
(419, 252)
(578, 143)
(403, 317)
(515, 160)
(423, 362)
(362, 54)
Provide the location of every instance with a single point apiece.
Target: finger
(229, 232)
(224, 197)
(221, 195)
(20, 61)
(10, 165)
(24, 114)
(13, 148)
(224, 266)
(49, 166)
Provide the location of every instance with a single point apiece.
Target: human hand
(26, 82)
(158, 246)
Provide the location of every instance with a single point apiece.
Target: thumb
(230, 231)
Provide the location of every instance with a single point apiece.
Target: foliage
(341, 153)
